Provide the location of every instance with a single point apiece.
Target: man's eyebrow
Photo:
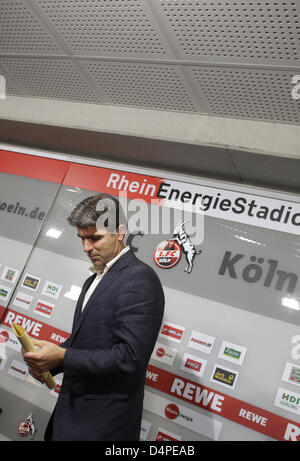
(87, 236)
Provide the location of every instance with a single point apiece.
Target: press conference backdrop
(226, 365)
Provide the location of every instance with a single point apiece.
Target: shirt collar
(114, 260)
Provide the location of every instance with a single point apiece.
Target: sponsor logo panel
(226, 406)
(9, 339)
(287, 400)
(4, 293)
(164, 354)
(182, 416)
(291, 374)
(31, 282)
(44, 308)
(23, 300)
(10, 275)
(194, 365)
(201, 342)
(232, 352)
(51, 289)
(18, 370)
(224, 376)
(172, 331)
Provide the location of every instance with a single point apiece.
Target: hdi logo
(2, 87)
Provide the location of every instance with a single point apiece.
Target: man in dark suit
(116, 322)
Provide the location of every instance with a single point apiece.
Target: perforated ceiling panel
(233, 58)
(105, 27)
(49, 78)
(260, 31)
(149, 86)
(21, 30)
(259, 94)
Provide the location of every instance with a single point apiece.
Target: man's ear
(121, 231)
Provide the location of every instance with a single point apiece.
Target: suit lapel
(102, 285)
(78, 309)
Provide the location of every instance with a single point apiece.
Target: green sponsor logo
(234, 354)
(295, 375)
(3, 293)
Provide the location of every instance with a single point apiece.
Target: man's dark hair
(101, 210)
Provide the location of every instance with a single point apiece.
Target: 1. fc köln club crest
(168, 253)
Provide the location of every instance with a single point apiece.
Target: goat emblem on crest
(183, 239)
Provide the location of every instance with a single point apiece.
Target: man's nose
(87, 246)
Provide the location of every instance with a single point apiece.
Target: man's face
(100, 246)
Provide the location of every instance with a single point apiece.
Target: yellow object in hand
(28, 345)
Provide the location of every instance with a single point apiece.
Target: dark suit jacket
(101, 397)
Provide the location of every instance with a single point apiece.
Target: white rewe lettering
(258, 419)
(31, 326)
(197, 394)
(292, 433)
(10, 318)
(28, 324)
(58, 338)
(202, 396)
(189, 391)
(152, 376)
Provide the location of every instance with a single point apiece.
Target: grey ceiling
(219, 57)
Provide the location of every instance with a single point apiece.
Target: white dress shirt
(99, 277)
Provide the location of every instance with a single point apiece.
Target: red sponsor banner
(253, 417)
(31, 166)
(35, 328)
(114, 182)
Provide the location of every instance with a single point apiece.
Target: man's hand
(47, 357)
(36, 375)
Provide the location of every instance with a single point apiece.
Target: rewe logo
(258, 270)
